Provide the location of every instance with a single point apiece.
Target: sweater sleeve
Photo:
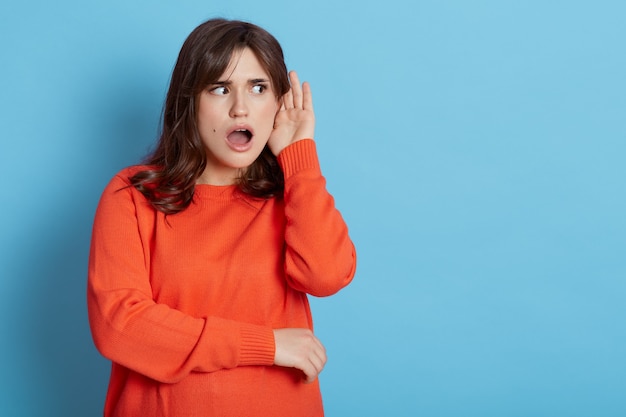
(320, 257)
(130, 328)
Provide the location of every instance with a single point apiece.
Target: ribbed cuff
(257, 345)
(299, 156)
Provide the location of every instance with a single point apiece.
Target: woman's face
(235, 118)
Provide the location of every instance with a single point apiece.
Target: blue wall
(476, 148)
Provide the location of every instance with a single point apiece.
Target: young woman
(201, 259)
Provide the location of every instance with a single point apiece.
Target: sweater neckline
(216, 192)
(208, 195)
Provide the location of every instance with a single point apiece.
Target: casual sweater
(185, 305)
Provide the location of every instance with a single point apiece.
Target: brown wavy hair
(180, 156)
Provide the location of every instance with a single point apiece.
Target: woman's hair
(180, 156)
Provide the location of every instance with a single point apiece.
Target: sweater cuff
(299, 156)
(257, 345)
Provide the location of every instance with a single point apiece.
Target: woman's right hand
(300, 349)
(295, 120)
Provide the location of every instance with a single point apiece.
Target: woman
(201, 259)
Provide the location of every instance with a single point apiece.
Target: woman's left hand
(295, 120)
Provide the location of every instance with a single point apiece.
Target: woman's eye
(259, 88)
(220, 91)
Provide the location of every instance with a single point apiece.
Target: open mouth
(239, 137)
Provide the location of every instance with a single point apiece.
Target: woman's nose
(239, 106)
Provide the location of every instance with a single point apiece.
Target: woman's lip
(240, 127)
(240, 147)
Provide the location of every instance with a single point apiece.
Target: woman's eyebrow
(250, 81)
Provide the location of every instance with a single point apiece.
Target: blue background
(475, 148)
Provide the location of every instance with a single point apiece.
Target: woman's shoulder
(121, 200)
(124, 175)
(122, 179)
(132, 170)
(120, 190)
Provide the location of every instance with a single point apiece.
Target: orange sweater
(184, 307)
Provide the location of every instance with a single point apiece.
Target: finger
(322, 358)
(297, 89)
(288, 99)
(307, 96)
(317, 357)
(310, 373)
(314, 361)
(318, 363)
(319, 346)
(308, 369)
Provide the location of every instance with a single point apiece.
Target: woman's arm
(320, 257)
(129, 327)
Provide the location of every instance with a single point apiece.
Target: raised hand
(300, 349)
(295, 120)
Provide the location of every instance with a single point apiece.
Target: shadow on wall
(63, 366)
